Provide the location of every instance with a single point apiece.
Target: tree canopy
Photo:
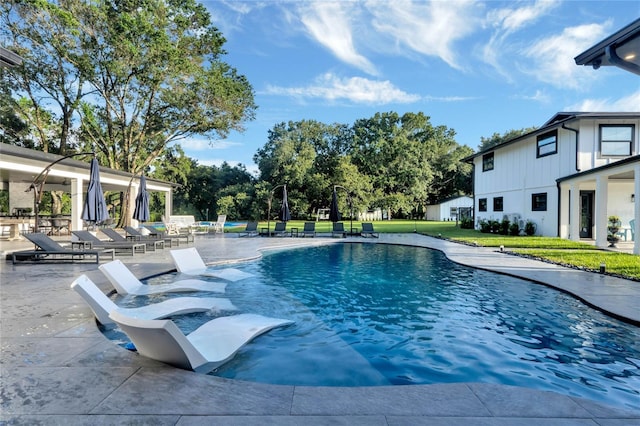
(397, 163)
(127, 77)
(497, 138)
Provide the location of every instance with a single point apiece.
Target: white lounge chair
(203, 350)
(188, 261)
(219, 225)
(125, 282)
(102, 306)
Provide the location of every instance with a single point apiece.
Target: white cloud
(538, 96)
(427, 28)
(552, 57)
(355, 89)
(505, 22)
(329, 23)
(627, 104)
(195, 144)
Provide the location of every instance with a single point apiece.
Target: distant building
(449, 209)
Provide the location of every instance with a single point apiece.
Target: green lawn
(553, 249)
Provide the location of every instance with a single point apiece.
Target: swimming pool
(375, 314)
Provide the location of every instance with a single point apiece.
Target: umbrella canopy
(95, 208)
(285, 213)
(141, 210)
(334, 213)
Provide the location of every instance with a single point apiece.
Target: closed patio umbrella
(95, 207)
(334, 213)
(141, 209)
(285, 213)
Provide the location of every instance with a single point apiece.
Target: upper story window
(616, 140)
(482, 205)
(487, 162)
(547, 144)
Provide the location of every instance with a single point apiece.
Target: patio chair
(134, 234)
(119, 247)
(102, 306)
(280, 230)
(251, 230)
(152, 244)
(171, 239)
(632, 225)
(338, 230)
(49, 250)
(203, 350)
(188, 261)
(309, 229)
(125, 282)
(219, 225)
(368, 231)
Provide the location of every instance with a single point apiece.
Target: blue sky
(475, 67)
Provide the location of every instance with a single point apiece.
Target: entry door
(586, 214)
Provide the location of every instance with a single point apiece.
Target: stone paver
(57, 367)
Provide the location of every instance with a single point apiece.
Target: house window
(487, 162)
(482, 205)
(497, 204)
(547, 144)
(539, 202)
(616, 140)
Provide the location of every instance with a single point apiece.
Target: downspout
(564, 126)
(577, 132)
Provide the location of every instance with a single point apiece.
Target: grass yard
(553, 249)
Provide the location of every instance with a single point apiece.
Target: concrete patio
(58, 368)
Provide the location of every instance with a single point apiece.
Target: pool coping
(58, 368)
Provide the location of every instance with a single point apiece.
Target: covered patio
(593, 193)
(20, 166)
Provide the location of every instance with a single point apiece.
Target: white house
(448, 209)
(567, 177)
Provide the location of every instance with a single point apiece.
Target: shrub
(466, 223)
(530, 228)
(485, 227)
(495, 226)
(514, 229)
(504, 226)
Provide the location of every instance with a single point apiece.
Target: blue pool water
(374, 314)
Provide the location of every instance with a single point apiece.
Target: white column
(563, 208)
(636, 209)
(132, 203)
(168, 204)
(574, 214)
(77, 203)
(601, 210)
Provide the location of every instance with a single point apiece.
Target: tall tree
(497, 138)
(154, 71)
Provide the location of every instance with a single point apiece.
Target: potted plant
(612, 230)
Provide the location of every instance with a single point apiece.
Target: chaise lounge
(188, 261)
(49, 250)
(203, 350)
(152, 244)
(368, 231)
(338, 230)
(309, 229)
(251, 230)
(125, 282)
(102, 306)
(126, 247)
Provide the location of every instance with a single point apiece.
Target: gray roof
(621, 49)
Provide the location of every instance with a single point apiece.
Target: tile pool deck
(57, 368)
